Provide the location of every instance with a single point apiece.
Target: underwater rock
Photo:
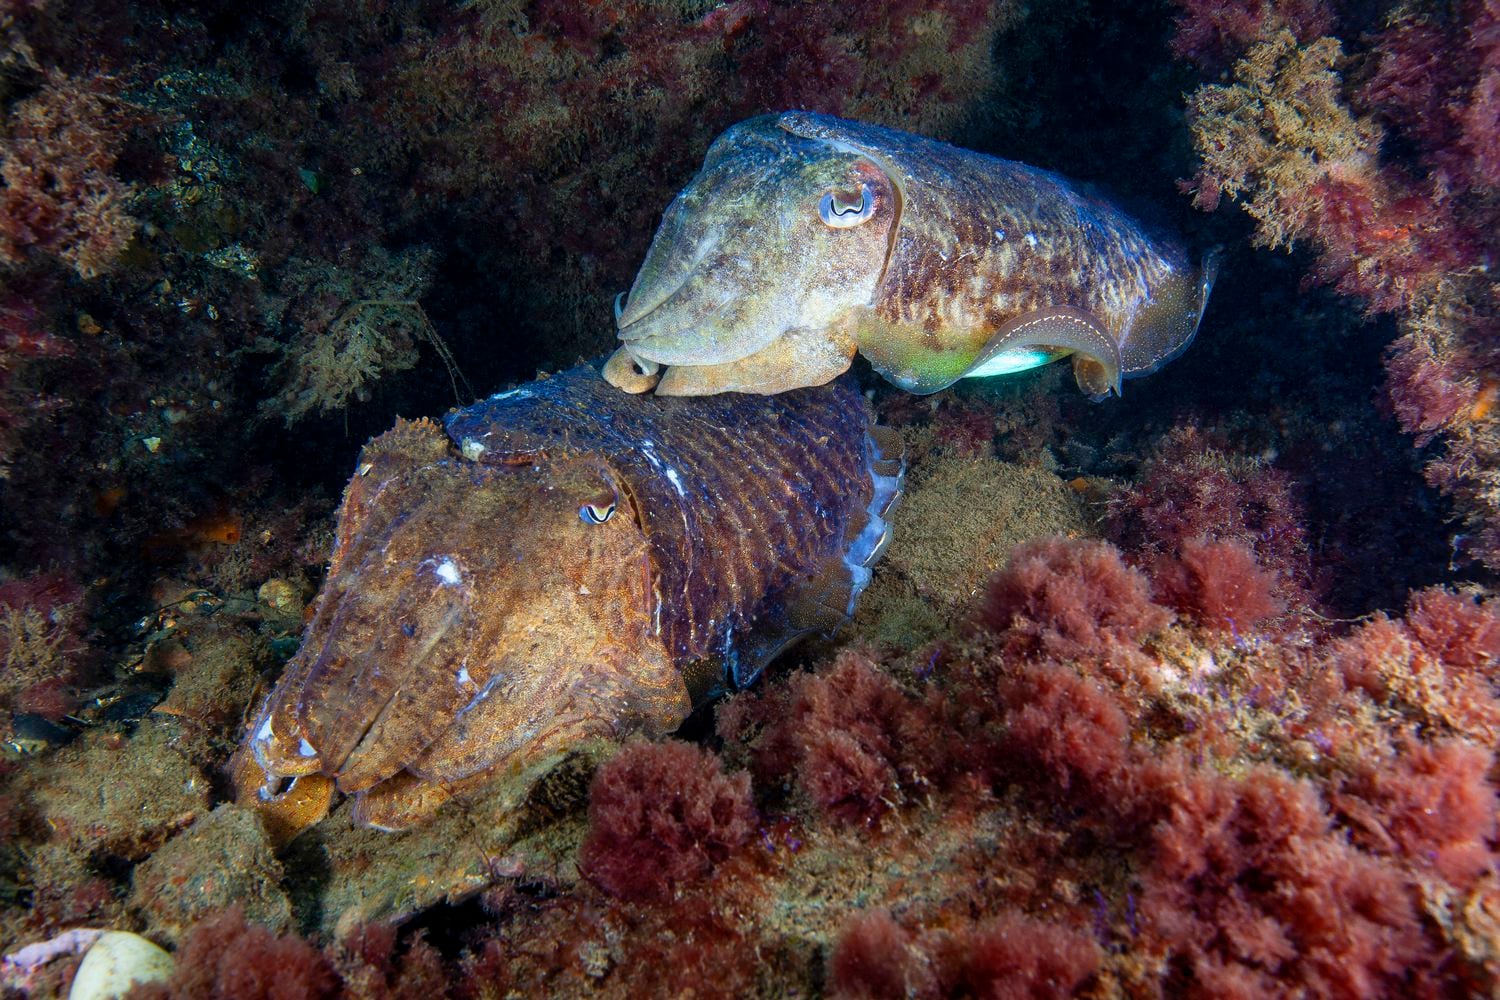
(951, 542)
(105, 795)
(224, 859)
(806, 238)
(115, 963)
(569, 563)
(281, 596)
(213, 670)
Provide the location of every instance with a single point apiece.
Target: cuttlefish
(806, 238)
(565, 563)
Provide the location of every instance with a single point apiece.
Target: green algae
(958, 521)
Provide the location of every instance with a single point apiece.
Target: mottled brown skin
(569, 562)
(935, 261)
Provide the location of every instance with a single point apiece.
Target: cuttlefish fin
(794, 360)
(1168, 321)
(1051, 333)
(823, 602)
(818, 604)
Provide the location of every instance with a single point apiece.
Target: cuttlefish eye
(840, 211)
(596, 513)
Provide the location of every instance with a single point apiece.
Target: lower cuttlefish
(567, 562)
(806, 238)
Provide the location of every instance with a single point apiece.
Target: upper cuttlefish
(807, 238)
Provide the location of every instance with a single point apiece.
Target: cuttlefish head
(778, 238)
(477, 621)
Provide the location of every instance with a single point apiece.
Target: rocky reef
(1192, 692)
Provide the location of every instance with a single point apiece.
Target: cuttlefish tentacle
(806, 238)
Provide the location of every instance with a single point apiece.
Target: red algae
(1211, 32)
(1244, 879)
(1427, 391)
(1147, 806)
(225, 958)
(1455, 628)
(26, 343)
(43, 652)
(1218, 584)
(1010, 957)
(1436, 666)
(1145, 769)
(855, 744)
(1064, 731)
(1013, 957)
(1192, 492)
(1430, 805)
(373, 962)
(661, 814)
(1071, 600)
(875, 957)
(1247, 882)
(62, 195)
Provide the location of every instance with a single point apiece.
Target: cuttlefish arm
(798, 359)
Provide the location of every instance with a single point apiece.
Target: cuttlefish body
(567, 562)
(806, 238)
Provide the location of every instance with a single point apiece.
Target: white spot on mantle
(447, 571)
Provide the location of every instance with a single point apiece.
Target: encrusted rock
(121, 797)
(223, 860)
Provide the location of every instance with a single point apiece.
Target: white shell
(116, 962)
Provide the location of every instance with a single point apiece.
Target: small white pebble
(115, 963)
